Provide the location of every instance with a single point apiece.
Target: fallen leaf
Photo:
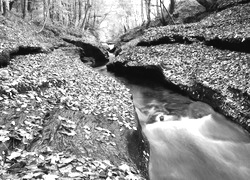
(80, 168)
(14, 155)
(124, 168)
(50, 177)
(67, 160)
(75, 174)
(28, 176)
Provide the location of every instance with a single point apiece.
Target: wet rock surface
(208, 60)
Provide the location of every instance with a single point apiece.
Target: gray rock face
(186, 9)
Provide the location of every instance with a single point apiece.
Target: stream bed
(185, 141)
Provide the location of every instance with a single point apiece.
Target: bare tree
(142, 10)
(172, 6)
(148, 11)
(85, 17)
(164, 10)
(77, 11)
(157, 8)
(1, 7)
(4, 6)
(46, 13)
(24, 5)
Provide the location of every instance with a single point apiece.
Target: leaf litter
(33, 85)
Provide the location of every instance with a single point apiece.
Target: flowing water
(188, 140)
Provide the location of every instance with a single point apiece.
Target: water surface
(188, 140)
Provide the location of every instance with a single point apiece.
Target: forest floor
(59, 119)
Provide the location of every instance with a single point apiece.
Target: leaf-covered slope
(58, 117)
(223, 4)
(209, 60)
(17, 36)
(229, 24)
(15, 31)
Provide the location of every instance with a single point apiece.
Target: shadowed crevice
(7, 55)
(166, 40)
(25, 50)
(143, 73)
(230, 44)
(89, 53)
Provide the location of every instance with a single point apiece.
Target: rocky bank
(208, 60)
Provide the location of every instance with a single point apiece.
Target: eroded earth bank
(208, 60)
(60, 118)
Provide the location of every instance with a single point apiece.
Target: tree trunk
(1, 6)
(24, 8)
(30, 8)
(171, 6)
(157, 8)
(84, 19)
(164, 9)
(163, 20)
(94, 19)
(44, 10)
(67, 20)
(80, 10)
(30, 5)
(71, 14)
(148, 10)
(87, 23)
(47, 15)
(11, 4)
(6, 6)
(77, 4)
(142, 9)
(52, 10)
(48, 9)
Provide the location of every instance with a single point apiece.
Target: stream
(186, 141)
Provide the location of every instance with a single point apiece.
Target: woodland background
(105, 19)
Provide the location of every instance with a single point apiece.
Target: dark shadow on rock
(25, 50)
(166, 40)
(90, 53)
(230, 44)
(143, 73)
(4, 59)
(137, 149)
(7, 55)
